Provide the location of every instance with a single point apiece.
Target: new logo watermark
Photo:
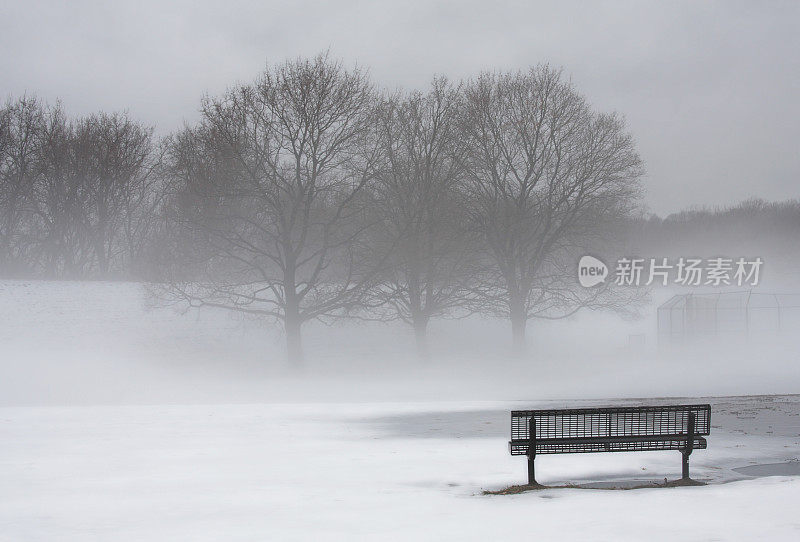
(591, 271)
(663, 271)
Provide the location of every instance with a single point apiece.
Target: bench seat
(606, 444)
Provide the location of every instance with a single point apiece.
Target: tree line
(753, 228)
(78, 197)
(750, 224)
(310, 193)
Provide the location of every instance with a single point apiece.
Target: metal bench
(616, 429)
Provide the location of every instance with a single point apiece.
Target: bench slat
(606, 444)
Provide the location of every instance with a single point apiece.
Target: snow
(363, 472)
(121, 421)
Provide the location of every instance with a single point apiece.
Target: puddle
(463, 424)
(790, 468)
(641, 484)
(609, 485)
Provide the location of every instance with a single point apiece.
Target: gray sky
(710, 89)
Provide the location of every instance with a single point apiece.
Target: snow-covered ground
(119, 421)
(382, 471)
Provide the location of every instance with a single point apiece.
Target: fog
(100, 343)
(281, 271)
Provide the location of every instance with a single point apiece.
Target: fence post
(687, 450)
(531, 450)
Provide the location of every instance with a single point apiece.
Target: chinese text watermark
(664, 271)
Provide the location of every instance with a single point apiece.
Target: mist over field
(105, 343)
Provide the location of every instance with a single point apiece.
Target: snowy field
(375, 472)
(119, 421)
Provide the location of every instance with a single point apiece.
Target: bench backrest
(610, 422)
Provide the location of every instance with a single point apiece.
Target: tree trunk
(421, 337)
(292, 324)
(102, 259)
(294, 341)
(519, 321)
(292, 321)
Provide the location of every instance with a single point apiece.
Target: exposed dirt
(514, 490)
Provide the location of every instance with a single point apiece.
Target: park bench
(615, 429)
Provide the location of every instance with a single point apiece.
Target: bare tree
(545, 173)
(20, 124)
(271, 186)
(419, 196)
(111, 156)
(64, 248)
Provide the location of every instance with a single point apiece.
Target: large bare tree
(270, 190)
(546, 174)
(420, 198)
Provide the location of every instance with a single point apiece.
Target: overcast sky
(711, 90)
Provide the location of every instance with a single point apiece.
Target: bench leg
(531, 472)
(531, 451)
(685, 469)
(687, 451)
